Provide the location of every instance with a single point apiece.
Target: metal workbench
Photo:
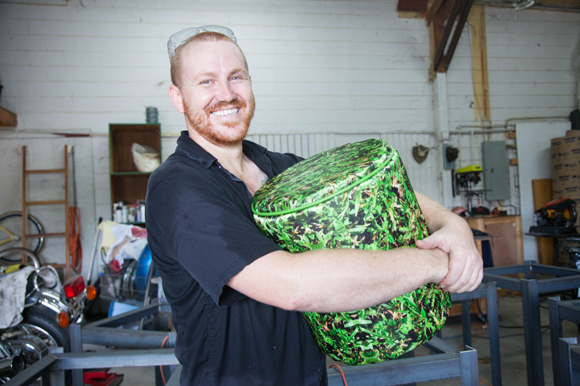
(559, 311)
(447, 362)
(531, 287)
(488, 291)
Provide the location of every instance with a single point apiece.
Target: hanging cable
(74, 227)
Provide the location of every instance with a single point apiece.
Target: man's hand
(465, 263)
(451, 234)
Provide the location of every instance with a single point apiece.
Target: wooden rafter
(446, 19)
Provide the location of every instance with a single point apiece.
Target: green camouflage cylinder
(355, 196)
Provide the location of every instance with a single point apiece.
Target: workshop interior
(473, 103)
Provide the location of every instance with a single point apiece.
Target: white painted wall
(316, 65)
(343, 67)
(536, 163)
(530, 75)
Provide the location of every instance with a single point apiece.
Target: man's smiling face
(216, 92)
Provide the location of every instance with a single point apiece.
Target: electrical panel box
(496, 175)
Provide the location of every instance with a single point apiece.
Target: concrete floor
(513, 360)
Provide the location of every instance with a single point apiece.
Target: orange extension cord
(341, 373)
(74, 238)
(161, 367)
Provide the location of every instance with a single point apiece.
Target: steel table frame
(146, 349)
(447, 363)
(560, 311)
(55, 364)
(531, 287)
(489, 291)
(570, 365)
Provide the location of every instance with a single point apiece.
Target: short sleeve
(206, 229)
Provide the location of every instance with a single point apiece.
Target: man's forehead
(198, 52)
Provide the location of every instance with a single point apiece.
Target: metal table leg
(469, 371)
(532, 332)
(568, 375)
(489, 291)
(493, 324)
(76, 346)
(555, 335)
(466, 321)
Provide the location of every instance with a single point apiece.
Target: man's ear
(176, 98)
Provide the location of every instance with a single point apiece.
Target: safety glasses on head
(182, 36)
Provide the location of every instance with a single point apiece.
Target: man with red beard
(235, 295)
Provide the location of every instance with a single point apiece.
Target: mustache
(225, 105)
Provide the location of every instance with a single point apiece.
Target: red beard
(230, 133)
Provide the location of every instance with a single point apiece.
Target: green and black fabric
(355, 196)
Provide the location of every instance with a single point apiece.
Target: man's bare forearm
(436, 215)
(336, 280)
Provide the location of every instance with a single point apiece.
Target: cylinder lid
(322, 177)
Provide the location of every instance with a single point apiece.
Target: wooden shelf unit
(127, 183)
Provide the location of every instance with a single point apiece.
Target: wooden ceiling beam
(433, 10)
(418, 6)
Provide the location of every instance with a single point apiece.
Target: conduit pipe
(507, 121)
(493, 131)
(493, 128)
(473, 132)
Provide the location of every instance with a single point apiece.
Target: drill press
(465, 178)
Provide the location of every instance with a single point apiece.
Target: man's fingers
(473, 284)
(478, 281)
(427, 243)
(464, 271)
(457, 269)
(470, 278)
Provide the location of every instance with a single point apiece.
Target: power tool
(468, 175)
(462, 183)
(557, 217)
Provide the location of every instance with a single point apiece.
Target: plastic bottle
(124, 214)
(118, 214)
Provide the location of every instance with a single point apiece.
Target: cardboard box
(571, 145)
(564, 167)
(565, 154)
(569, 188)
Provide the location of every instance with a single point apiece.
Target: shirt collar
(192, 150)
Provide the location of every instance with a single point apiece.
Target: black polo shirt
(202, 233)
